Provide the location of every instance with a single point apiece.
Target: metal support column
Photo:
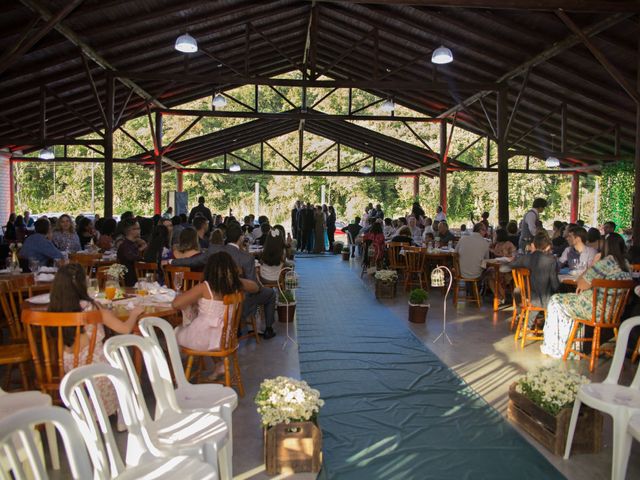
(179, 183)
(503, 159)
(416, 187)
(157, 171)
(575, 196)
(443, 165)
(108, 148)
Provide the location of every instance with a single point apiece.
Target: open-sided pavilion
(532, 79)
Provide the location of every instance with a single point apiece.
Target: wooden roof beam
(88, 50)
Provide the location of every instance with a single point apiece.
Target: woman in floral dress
(563, 308)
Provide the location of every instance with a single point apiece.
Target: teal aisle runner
(393, 410)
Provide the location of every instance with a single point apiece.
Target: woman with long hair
(86, 232)
(21, 229)
(158, 248)
(64, 236)
(221, 278)
(564, 307)
(107, 234)
(10, 229)
(273, 256)
(69, 294)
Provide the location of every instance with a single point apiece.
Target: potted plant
(292, 438)
(541, 403)
(418, 306)
(337, 247)
(386, 283)
(286, 306)
(345, 253)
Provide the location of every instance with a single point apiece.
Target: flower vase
(292, 447)
(551, 431)
(385, 289)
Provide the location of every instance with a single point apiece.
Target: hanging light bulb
(388, 106)
(442, 55)
(219, 100)
(47, 153)
(552, 162)
(186, 44)
(235, 167)
(366, 169)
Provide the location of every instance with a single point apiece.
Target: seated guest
(64, 235)
(503, 247)
(388, 231)
(187, 252)
(273, 257)
(201, 226)
(158, 248)
(594, 239)
(38, 246)
(352, 230)
(10, 229)
(107, 232)
(608, 228)
(472, 250)
(376, 237)
(558, 238)
(512, 230)
(264, 229)
(564, 307)
(217, 237)
(205, 330)
(86, 232)
(578, 251)
(245, 262)
(20, 229)
(445, 236)
(543, 272)
(403, 235)
(130, 250)
(247, 226)
(416, 233)
(69, 294)
(463, 231)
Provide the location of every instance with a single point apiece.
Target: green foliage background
(617, 194)
(67, 187)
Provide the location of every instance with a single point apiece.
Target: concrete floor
(483, 354)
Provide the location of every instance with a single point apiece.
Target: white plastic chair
(18, 434)
(80, 393)
(214, 397)
(619, 401)
(173, 430)
(13, 402)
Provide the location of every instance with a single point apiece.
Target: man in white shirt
(388, 230)
(416, 233)
(440, 215)
(472, 250)
(577, 249)
(528, 227)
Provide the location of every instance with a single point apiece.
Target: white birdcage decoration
(437, 278)
(291, 280)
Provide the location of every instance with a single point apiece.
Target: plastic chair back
(17, 434)
(45, 332)
(620, 352)
(117, 351)
(80, 393)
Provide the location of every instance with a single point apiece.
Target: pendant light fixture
(47, 153)
(442, 55)
(235, 167)
(186, 44)
(219, 100)
(388, 106)
(552, 161)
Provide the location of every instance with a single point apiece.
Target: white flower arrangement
(551, 388)
(285, 400)
(116, 270)
(386, 276)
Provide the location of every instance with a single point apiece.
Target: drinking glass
(178, 277)
(92, 287)
(34, 267)
(149, 278)
(110, 289)
(142, 288)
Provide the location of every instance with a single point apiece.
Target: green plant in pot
(286, 306)
(345, 253)
(418, 306)
(338, 247)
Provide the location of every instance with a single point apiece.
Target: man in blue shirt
(38, 246)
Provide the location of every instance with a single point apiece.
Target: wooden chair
(169, 271)
(191, 279)
(101, 275)
(460, 281)
(635, 267)
(415, 274)
(45, 335)
(526, 307)
(142, 268)
(396, 261)
(517, 301)
(606, 313)
(86, 260)
(228, 346)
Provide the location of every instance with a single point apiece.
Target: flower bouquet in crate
(386, 283)
(541, 403)
(292, 438)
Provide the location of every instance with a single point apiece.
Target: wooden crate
(385, 289)
(293, 447)
(552, 431)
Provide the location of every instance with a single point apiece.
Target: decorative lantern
(291, 282)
